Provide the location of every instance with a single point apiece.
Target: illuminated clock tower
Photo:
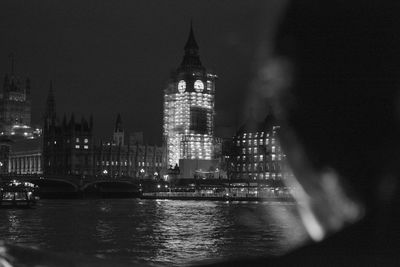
(189, 109)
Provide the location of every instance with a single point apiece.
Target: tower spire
(50, 103)
(191, 43)
(191, 57)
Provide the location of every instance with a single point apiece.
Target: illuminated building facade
(189, 109)
(256, 153)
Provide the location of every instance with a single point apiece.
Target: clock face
(181, 86)
(198, 86)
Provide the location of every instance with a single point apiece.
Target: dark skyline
(107, 58)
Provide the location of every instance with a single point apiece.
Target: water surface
(166, 232)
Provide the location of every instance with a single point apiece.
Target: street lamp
(142, 172)
(141, 176)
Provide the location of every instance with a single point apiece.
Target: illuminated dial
(181, 86)
(198, 86)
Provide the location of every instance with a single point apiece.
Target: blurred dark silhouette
(341, 102)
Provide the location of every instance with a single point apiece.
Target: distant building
(256, 153)
(135, 159)
(25, 157)
(189, 112)
(67, 145)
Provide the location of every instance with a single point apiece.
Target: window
(77, 146)
(86, 147)
(86, 140)
(77, 140)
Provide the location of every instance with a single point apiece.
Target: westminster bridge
(77, 185)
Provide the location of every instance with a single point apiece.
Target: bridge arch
(105, 183)
(46, 182)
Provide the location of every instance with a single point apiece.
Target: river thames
(165, 232)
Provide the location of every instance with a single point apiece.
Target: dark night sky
(107, 57)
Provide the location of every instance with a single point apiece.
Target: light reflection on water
(155, 231)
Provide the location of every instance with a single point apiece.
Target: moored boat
(16, 194)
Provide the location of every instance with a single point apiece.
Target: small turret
(72, 122)
(118, 136)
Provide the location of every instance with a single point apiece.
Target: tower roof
(12, 83)
(252, 125)
(191, 58)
